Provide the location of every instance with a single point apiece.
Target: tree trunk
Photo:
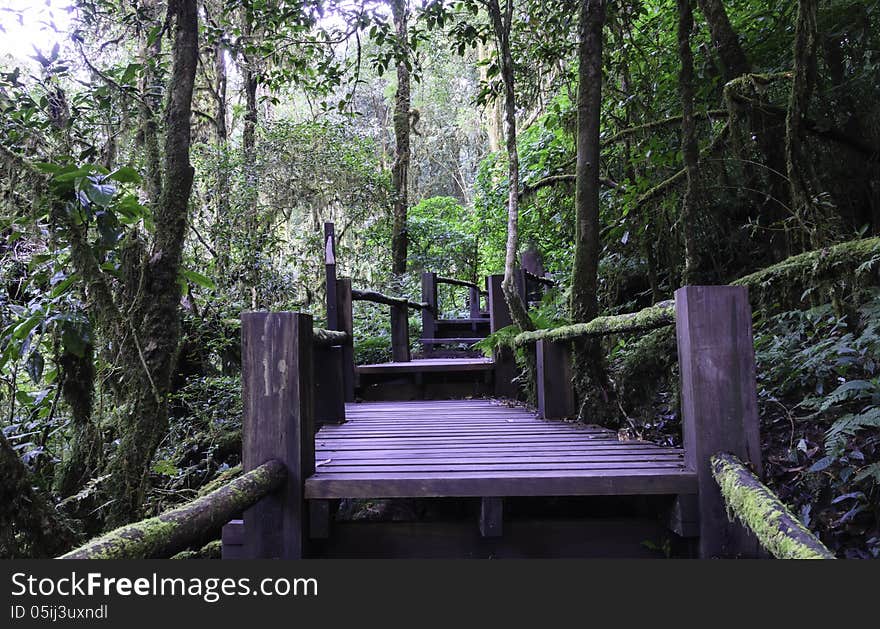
(221, 207)
(78, 388)
(763, 130)
(589, 372)
(689, 148)
(30, 526)
(253, 237)
(400, 171)
(151, 97)
(501, 24)
(733, 59)
(154, 316)
(798, 166)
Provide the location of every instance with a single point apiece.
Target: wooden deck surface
(483, 448)
(429, 365)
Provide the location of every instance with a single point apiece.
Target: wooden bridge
(307, 445)
(444, 425)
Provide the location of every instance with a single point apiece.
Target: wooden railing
(760, 510)
(164, 535)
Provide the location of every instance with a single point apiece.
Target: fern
(848, 425)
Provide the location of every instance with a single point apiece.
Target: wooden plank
(278, 415)
(491, 516)
(400, 334)
(511, 466)
(525, 458)
(555, 389)
(436, 366)
(452, 340)
(609, 450)
(464, 484)
(346, 324)
(718, 401)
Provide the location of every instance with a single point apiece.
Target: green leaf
(165, 467)
(198, 279)
(24, 328)
(126, 174)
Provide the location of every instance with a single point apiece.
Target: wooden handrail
(330, 338)
(379, 298)
(164, 535)
(546, 281)
(758, 508)
(455, 282)
(656, 316)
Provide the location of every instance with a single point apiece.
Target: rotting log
(330, 338)
(164, 535)
(757, 507)
(379, 298)
(656, 316)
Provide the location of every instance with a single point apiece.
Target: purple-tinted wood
(719, 401)
(400, 334)
(278, 423)
(346, 324)
(429, 315)
(491, 517)
(555, 390)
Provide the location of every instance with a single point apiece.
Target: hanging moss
(758, 508)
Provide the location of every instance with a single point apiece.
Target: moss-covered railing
(656, 316)
(762, 512)
(164, 535)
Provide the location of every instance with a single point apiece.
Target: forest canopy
(168, 165)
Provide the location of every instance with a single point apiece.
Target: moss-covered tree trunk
(733, 58)
(589, 370)
(30, 526)
(689, 149)
(799, 168)
(150, 326)
(400, 170)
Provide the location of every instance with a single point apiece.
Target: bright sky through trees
(26, 25)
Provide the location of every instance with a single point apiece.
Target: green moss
(758, 508)
(787, 281)
(656, 316)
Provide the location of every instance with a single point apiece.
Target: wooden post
(329, 386)
(719, 401)
(555, 390)
(346, 324)
(474, 303)
(429, 315)
(400, 334)
(499, 317)
(491, 517)
(330, 275)
(278, 405)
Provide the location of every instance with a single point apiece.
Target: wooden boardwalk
(459, 448)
